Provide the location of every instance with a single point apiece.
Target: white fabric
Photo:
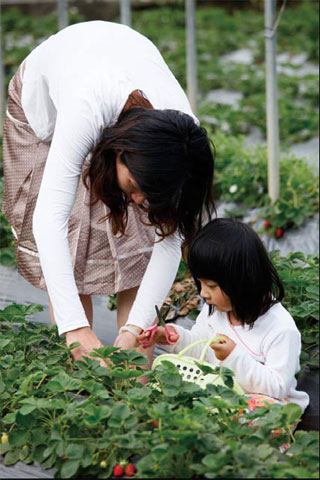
(75, 84)
(266, 357)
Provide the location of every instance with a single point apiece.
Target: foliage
(220, 32)
(6, 237)
(300, 276)
(83, 419)
(241, 176)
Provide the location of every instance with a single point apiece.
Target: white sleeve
(157, 281)
(275, 377)
(73, 139)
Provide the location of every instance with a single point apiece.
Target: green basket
(189, 369)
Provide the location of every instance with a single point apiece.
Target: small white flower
(233, 188)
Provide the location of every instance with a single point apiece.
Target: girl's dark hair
(231, 254)
(170, 158)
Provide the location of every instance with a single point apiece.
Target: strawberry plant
(87, 421)
(241, 176)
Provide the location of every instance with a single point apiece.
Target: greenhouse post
(272, 100)
(125, 12)
(191, 54)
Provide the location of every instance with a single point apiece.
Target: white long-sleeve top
(265, 358)
(75, 84)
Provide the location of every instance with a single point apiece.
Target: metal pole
(62, 14)
(272, 101)
(192, 85)
(2, 82)
(125, 12)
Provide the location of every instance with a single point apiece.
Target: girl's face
(127, 183)
(213, 295)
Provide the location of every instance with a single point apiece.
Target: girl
(96, 102)
(242, 293)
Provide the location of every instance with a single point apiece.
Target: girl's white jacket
(265, 358)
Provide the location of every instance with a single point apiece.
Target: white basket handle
(198, 342)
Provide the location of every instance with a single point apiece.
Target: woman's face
(127, 183)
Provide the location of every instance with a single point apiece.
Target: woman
(96, 102)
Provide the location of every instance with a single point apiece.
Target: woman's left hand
(223, 350)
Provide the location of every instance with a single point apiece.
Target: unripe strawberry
(130, 470)
(155, 423)
(4, 438)
(118, 471)
(267, 224)
(103, 464)
(279, 232)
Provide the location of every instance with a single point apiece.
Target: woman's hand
(159, 337)
(222, 350)
(127, 340)
(88, 340)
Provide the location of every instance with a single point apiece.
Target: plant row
(89, 421)
(218, 32)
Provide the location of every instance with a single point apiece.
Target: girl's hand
(222, 350)
(160, 336)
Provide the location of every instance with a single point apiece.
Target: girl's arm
(275, 377)
(200, 331)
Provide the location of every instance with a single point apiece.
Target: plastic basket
(190, 371)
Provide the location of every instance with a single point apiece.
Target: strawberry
(279, 232)
(103, 464)
(155, 423)
(130, 470)
(118, 470)
(267, 224)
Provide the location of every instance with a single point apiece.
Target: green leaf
(2, 386)
(4, 342)
(38, 453)
(69, 468)
(26, 421)
(293, 412)
(18, 438)
(49, 462)
(74, 451)
(120, 412)
(26, 409)
(11, 457)
(9, 418)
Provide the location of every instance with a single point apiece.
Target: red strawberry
(267, 224)
(130, 470)
(155, 423)
(279, 232)
(118, 471)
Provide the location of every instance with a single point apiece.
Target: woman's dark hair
(169, 157)
(231, 254)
